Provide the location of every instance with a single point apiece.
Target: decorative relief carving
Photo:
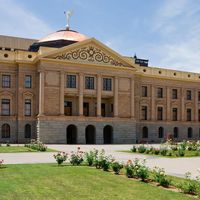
(90, 54)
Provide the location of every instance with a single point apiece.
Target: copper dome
(58, 39)
(69, 35)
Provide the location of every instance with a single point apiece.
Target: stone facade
(117, 111)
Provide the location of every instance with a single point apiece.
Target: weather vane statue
(68, 14)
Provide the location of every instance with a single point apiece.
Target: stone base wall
(55, 131)
(17, 134)
(168, 129)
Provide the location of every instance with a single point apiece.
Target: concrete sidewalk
(173, 166)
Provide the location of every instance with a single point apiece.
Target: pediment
(90, 51)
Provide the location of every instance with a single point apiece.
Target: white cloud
(177, 26)
(16, 20)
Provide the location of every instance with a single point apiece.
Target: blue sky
(167, 32)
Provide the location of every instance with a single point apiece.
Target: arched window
(189, 132)
(175, 132)
(27, 131)
(144, 132)
(160, 132)
(5, 131)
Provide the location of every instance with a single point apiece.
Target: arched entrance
(108, 135)
(90, 136)
(71, 132)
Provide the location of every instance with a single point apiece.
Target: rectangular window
(174, 114)
(86, 109)
(71, 81)
(27, 107)
(144, 91)
(199, 96)
(174, 94)
(5, 107)
(89, 83)
(160, 113)
(189, 114)
(68, 108)
(160, 92)
(144, 113)
(107, 84)
(6, 81)
(199, 115)
(28, 81)
(111, 107)
(189, 95)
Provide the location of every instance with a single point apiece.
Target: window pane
(107, 84)
(5, 106)
(89, 82)
(144, 91)
(27, 107)
(6, 81)
(189, 95)
(28, 81)
(160, 92)
(71, 81)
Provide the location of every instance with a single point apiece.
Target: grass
(187, 154)
(19, 149)
(48, 181)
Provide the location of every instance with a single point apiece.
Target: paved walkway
(173, 166)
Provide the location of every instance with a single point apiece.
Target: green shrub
(169, 153)
(183, 145)
(163, 151)
(160, 177)
(36, 145)
(142, 172)
(156, 151)
(137, 169)
(141, 149)
(116, 166)
(102, 161)
(148, 151)
(129, 169)
(76, 158)
(189, 186)
(134, 149)
(90, 157)
(60, 157)
(8, 144)
(180, 152)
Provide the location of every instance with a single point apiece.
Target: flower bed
(170, 149)
(136, 169)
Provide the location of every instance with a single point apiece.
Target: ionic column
(80, 94)
(152, 103)
(182, 105)
(62, 98)
(132, 98)
(116, 97)
(168, 112)
(41, 92)
(99, 95)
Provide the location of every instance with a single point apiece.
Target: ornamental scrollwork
(91, 54)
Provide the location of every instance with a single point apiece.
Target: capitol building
(72, 89)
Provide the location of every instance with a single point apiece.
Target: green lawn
(187, 154)
(18, 149)
(48, 181)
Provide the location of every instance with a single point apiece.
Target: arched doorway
(145, 132)
(108, 135)
(160, 132)
(27, 131)
(71, 134)
(90, 137)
